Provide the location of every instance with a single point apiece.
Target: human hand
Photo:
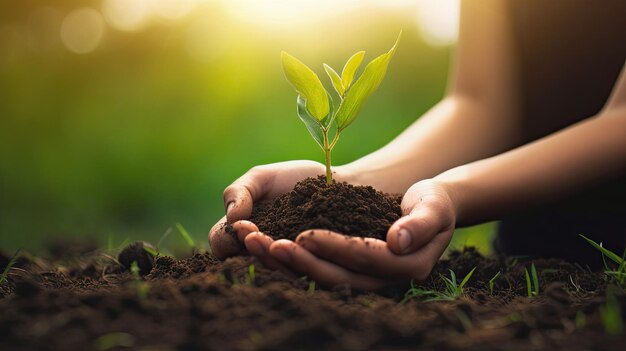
(414, 244)
(259, 183)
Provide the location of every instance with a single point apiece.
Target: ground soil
(82, 298)
(340, 207)
(89, 301)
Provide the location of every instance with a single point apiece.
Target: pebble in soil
(347, 209)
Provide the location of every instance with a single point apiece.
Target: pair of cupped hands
(414, 242)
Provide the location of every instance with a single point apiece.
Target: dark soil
(340, 207)
(89, 301)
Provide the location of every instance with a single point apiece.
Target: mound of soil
(347, 209)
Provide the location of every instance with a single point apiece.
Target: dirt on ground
(82, 298)
(89, 301)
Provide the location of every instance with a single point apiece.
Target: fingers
(258, 244)
(223, 244)
(243, 228)
(364, 255)
(240, 195)
(428, 211)
(323, 272)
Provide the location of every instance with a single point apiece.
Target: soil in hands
(312, 204)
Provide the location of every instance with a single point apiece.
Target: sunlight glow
(172, 9)
(82, 30)
(127, 15)
(438, 21)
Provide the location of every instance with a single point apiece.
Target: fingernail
(282, 255)
(230, 207)
(404, 239)
(255, 248)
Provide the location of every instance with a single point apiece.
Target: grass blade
(608, 253)
(467, 277)
(183, 232)
(11, 263)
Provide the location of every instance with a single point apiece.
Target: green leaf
(307, 84)
(353, 63)
(335, 79)
(467, 277)
(312, 125)
(610, 254)
(367, 83)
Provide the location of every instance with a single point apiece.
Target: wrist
(452, 183)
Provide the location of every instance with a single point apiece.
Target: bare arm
(478, 118)
(589, 152)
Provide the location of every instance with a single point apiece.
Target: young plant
(251, 275)
(617, 274)
(492, 282)
(9, 265)
(611, 314)
(315, 105)
(532, 287)
(452, 290)
(183, 232)
(141, 287)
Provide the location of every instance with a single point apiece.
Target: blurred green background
(120, 118)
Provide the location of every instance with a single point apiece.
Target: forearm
(456, 131)
(589, 152)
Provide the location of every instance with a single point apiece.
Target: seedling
(141, 287)
(183, 232)
(452, 290)
(5, 271)
(611, 314)
(315, 105)
(311, 289)
(532, 286)
(617, 274)
(492, 281)
(251, 275)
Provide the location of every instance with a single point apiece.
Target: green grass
(11, 263)
(532, 281)
(183, 232)
(492, 282)
(611, 314)
(451, 292)
(617, 273)
(251, 275)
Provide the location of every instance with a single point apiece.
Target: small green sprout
(183, 232)
(532, 286)
(251, 275)
(114, 340)
(617, 274)
(315, 105)
(141, 287)
(7, 269)
(311, 289)
(452, 290)
(492, 282)
(611, 314)
(580, 320)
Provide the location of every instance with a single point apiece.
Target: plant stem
(327, 148)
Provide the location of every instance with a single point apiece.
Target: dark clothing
(570, 53)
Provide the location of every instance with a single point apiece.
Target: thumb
(240, 195)
(427, 216)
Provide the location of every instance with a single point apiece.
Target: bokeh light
(82, 30)
(438, 20)
(128, 15)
